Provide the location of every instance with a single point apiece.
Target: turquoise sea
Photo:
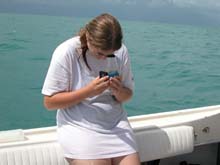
(175, 66)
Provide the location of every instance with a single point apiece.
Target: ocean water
(175, 66)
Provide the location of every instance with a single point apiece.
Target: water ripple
(10, 47)
(39, 59)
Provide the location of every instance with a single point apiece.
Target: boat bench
(153, 143)
(37, 154)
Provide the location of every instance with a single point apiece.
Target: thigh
(89, 162)
(132, 159)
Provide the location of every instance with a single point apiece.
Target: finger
(118, 78)
(103, 79)
(104, 84)
(114, 85)
(114, 88)
(115, 81)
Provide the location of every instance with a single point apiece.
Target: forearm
(124, 94)
(66, 99)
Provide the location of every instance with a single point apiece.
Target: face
(98, 53)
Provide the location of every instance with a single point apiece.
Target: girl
(93, 128)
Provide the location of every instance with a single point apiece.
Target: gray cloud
(197, 3)
(179, 3)
(171, 11)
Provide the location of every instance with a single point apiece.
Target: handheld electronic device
(110, 74)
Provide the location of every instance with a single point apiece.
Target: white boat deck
(166, 119)
(204, 120)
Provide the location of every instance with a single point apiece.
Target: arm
(120, 92)
(66, 99)
(122, 86)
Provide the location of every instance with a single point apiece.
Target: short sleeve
(56, 80)
(127, 75)
(58, 75)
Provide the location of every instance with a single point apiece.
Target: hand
(98, 85)
(115, 85)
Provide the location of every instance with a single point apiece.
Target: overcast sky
(200, 12)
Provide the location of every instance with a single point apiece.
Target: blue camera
(110, 74)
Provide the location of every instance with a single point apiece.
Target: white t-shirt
(68, 72)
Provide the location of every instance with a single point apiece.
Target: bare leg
(132, 159)
(89, 162)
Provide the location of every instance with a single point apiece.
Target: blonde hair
(104, 32)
